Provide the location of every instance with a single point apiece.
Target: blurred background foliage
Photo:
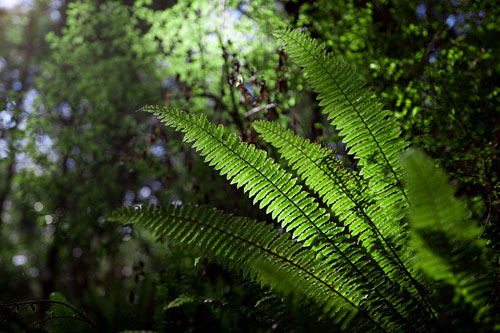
(73, 147)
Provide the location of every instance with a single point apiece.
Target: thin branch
(38, 323)
(258, 109)
(48, 301)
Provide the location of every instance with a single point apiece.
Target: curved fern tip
(280, 32)
(148, 108)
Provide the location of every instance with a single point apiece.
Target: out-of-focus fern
(354, 258)
(446, 242)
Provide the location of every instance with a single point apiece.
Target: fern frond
(371, 136)
(256, 250)
(445, 240)
(297, 212)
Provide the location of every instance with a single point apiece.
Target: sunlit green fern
(354, 257)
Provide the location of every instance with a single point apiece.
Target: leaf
(180, 301)
(446, 241)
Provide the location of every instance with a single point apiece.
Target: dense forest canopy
(80, 166)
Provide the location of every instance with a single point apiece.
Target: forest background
(73, 147)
